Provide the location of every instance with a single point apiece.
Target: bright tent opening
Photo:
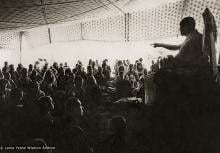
(71, 52)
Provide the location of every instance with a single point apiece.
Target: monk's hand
(155, 45)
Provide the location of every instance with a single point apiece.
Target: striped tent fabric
(73, 20)
(9, 40)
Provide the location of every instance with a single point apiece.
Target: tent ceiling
(154, 23)
(32, 13)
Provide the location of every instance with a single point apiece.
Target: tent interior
(71, 30)
(163, 108)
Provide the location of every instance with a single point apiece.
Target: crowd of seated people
(162, 62)
(47, 105)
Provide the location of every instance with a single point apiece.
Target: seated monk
(190, 51)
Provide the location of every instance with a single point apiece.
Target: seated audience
(131, 72)
(1, 74)
(5, 68)
(100, 78)
(4, 91)
(14, 74)
(78, 90)
(89, 71)
(48, 83)
(140, 69)
(24, 80)
(11, 83)
(35, 76)
(59, 105)
(123, 86)
(92, 92)
(116, 141)
(94, 67)
(68, 80)
(81, 72)
(106, 72)
(30, 69)
(72, 138)
(44, 121)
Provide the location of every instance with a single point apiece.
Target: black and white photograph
(109, 76)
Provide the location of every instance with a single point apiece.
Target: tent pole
(20, 45)
(81, 31)
(49, 35)
(125, 17)
(127, 22)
